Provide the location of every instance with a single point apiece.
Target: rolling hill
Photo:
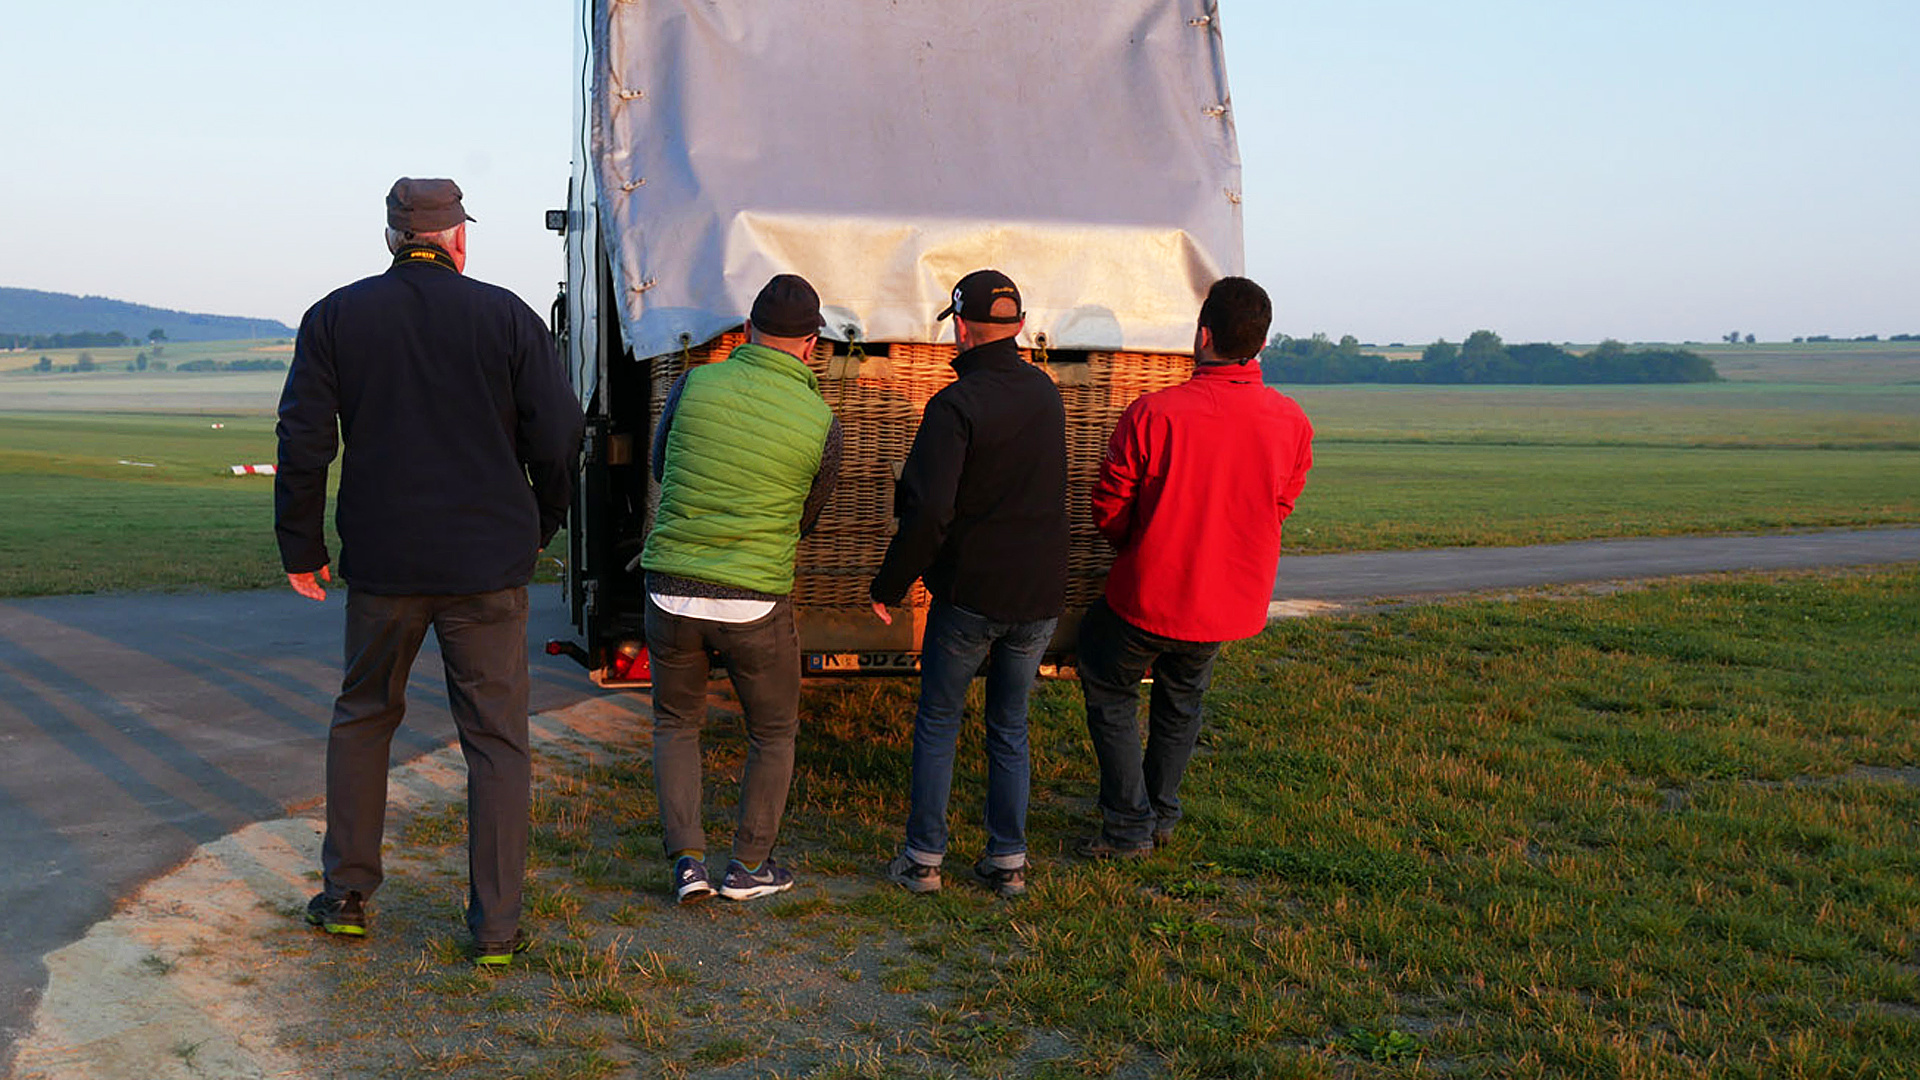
(30, 311)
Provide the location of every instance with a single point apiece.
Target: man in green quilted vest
(746, 453)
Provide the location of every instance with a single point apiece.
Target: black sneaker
(501, 953)
(1098, 846)
(342, 915)
(1005, 883)
(912, 876)
(690, 882)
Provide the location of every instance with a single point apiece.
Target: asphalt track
(136, 727)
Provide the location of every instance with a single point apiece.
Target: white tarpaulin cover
(884, 148)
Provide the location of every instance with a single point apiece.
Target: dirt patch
(179, 983)
(211, 971)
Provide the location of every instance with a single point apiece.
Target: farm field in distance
(1396, 466)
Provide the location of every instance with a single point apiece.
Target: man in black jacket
(982, 501)
(461, 439)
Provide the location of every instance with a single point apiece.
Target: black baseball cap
(787, 307)
(973, 298)
(424, 206)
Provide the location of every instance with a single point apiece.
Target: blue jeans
(955, 644)
(1140, 792)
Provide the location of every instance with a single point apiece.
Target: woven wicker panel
(879, 400)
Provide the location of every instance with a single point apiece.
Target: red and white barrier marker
(251, 470)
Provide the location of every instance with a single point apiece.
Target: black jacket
(462, 434)
(982, 499)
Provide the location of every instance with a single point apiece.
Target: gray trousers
(763, 660)
(483, 643)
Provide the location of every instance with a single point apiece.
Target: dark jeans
(763, 660)
(1140, 792)
(483, 646)
(955, 643)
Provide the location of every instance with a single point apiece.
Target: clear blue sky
(1645, 169)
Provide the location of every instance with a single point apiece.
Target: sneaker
(500, 954)
(1098, 846)
(741, 885)
(1005, 883)
(1162, 836)
(690, 882)
(342, 915)
(913, 876)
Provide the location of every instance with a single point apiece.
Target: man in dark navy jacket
(461, 438)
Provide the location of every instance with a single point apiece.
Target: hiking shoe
(1005, 883)
(690, 882)
(741, 885)
(342, 915)
(912, 876)
(1098, 846)
(501, 953)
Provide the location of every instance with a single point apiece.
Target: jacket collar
(766, 357)
(1001, 354)
(1244, 371)
(410, 254)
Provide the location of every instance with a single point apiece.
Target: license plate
(864, 663)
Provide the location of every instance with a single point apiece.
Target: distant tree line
(82, 339)
(262, 364)
(143, 362)
(1863, 337)
(1482, 358)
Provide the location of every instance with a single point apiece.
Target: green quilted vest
(742, 452)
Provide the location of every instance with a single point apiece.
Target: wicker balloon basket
(878, 399)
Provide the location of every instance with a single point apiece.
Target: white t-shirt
(713, 609)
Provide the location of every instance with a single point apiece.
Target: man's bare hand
(308, 585)
(880, 612)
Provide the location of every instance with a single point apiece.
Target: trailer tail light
(629, 663)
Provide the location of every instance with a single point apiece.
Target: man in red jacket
(1196, 482)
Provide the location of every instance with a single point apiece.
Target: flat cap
(424, 206)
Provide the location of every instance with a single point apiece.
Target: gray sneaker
(1005, 883)
(912, 876)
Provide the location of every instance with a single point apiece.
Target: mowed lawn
(1406, 467)
(1396, 467)
(94, 502)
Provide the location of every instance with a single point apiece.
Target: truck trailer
(881, 151)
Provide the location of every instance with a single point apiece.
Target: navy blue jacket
(982, 498)
(462, 434)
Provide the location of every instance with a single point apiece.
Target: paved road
(1452, 570)
(137, 727)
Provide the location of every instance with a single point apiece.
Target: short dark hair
(1237, 313)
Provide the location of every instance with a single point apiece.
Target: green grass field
(99, 502)
(1401, 467)
(96, 502)
(1396, 467)
(1665, 833)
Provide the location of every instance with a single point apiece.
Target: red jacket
(1196, 482)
